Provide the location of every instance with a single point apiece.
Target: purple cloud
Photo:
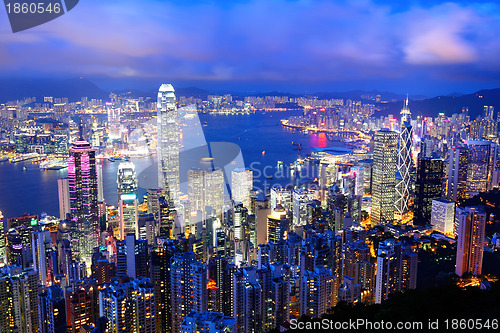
(259, 40)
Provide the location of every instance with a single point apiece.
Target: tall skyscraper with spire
(168, 143)
(405, 164)
(83, 193)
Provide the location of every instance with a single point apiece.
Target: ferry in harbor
(55, 164)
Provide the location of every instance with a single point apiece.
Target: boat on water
(55, 164)
(118, 158)
(280, 163)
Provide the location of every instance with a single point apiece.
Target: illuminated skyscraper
(241, 186)
(456, 185)
(63, 190)
(100, 185)
(206, 189)
(52, 310)
(427, 187)
(277, 225)
(129, 307)
(470, 241)
(188, 278)
(127, 198)
(6, 304)
(317, 293)
(396, 269)
(281, 196)
(405, 163)
(300, 199)
(168, 143)
(443, 215)
(113, 122)
(480, 165)
(83, 192)
(384, 176)
(81, 306)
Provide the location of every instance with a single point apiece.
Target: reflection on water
(35, 191)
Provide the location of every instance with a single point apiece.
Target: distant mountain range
(75, 89)
(449, 104)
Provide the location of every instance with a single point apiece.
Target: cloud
(259, 40)
(437, 36)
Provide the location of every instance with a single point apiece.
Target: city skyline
(222, 208)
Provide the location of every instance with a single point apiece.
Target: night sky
(420, 47)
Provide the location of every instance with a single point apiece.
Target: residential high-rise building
(43, 256)
(248, 299)
(317, 293)
(188, 280)
(480, 165)
(7, 320)
(281, 196)
(277, 225)
(208, 322)
(488, 112)
(428, 186)
(300, 199)
(443, 215)
(83, 192)
(168, 143)
(161, 259)
(129, 307)
(132, 257)
(456, 185)
(240, 214)
(396, 269)
(152, 195)
(52, 310)
(470, 242)
(81, 306)
(384, 176)
(63, 191)
(127, 198)
(241, 186)
(405, 163)
(23, 291)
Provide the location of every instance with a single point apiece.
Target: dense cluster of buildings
(216, 255)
